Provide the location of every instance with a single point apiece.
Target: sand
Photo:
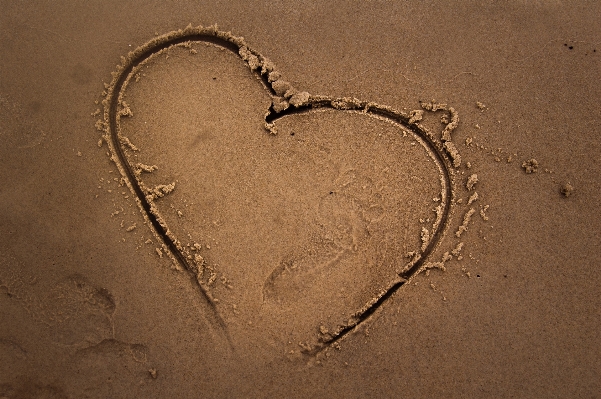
(276, 200)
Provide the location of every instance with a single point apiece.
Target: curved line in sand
(416, 266)
(262, 68)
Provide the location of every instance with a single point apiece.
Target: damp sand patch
(294, 213)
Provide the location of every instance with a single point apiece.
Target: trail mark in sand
(286, 102)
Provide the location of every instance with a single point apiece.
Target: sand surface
(292, 214)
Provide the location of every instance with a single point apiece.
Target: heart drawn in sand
(286, 208)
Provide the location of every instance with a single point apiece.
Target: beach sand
(348, 199)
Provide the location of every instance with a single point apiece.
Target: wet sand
(292, 214)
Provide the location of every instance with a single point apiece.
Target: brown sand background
(86, 314)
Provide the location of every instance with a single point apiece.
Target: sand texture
(358, 199)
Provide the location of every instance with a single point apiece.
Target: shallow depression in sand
(295, 230)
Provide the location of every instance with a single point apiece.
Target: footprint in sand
(73, 312)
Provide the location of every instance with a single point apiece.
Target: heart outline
(294, 102)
